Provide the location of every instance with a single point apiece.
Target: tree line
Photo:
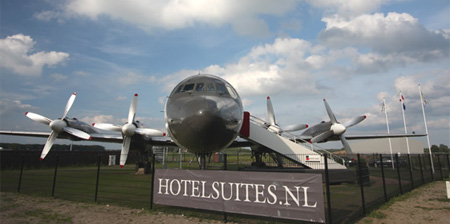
(440, 148)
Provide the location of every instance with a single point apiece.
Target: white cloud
(8, 106)
(57, 77)
(347, 7)
(396, 34)
(99, 119)
(243, 16)
(17, 55)
(131, 78)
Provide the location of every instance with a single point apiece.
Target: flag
(383, 107)
(402, 99)
(423, 99)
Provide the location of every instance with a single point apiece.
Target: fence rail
(350, 194)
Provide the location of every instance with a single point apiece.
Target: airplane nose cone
(58, 125)
(204, 124)
(338, 129)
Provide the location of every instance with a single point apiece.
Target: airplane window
(199, 87)
(221, 88)
(209, 87)
(232, 92)
(188, 87)
(179, 89)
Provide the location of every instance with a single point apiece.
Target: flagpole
(388, 131)
(426, 128)
(402, 104)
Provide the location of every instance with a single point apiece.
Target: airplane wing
(95, 137)
(362, 136)
(98, 137)
(356, 137)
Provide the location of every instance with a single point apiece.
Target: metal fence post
(361, 184)
(153, 180)
(440, 167)
(384, 180)
(327, 185)
(54, 176)
(421, 169)
(21, 172)
(98, 176)
(225, 215)
(410, 172)
(398, 174)
(225, 161)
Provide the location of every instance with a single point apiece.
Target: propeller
(129, 129)
(273, 123)
(337, 128)
(57, 126)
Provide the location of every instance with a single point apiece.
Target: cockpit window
(179, 89)
(221, 88)
(188, 87)
(209, 87)
(199, 87)
(232, 92)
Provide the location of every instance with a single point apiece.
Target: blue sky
(353, 53)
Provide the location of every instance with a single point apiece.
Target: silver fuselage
(203, 114)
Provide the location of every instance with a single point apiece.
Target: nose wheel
(203, 160)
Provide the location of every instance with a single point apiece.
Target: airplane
(203, 114)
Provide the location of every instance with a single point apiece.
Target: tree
(441, 148)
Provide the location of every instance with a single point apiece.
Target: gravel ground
(427, 204)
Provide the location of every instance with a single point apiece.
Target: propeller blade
(125, 149)
(69, 104)
(77, 133)
(132, 111)
(48, 145)
(270, 112)
(38, 118)
(330, 113)
(150, 132)
(108, 127)
(321, 136)
(295, 127)
(354, 121)
(346, 144)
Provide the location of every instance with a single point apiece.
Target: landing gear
(278, 159)
(146, 166)
(202, 162)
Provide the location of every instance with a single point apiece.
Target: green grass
(48, 216)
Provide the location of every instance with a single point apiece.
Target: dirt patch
(427, 204)
(20, 208)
